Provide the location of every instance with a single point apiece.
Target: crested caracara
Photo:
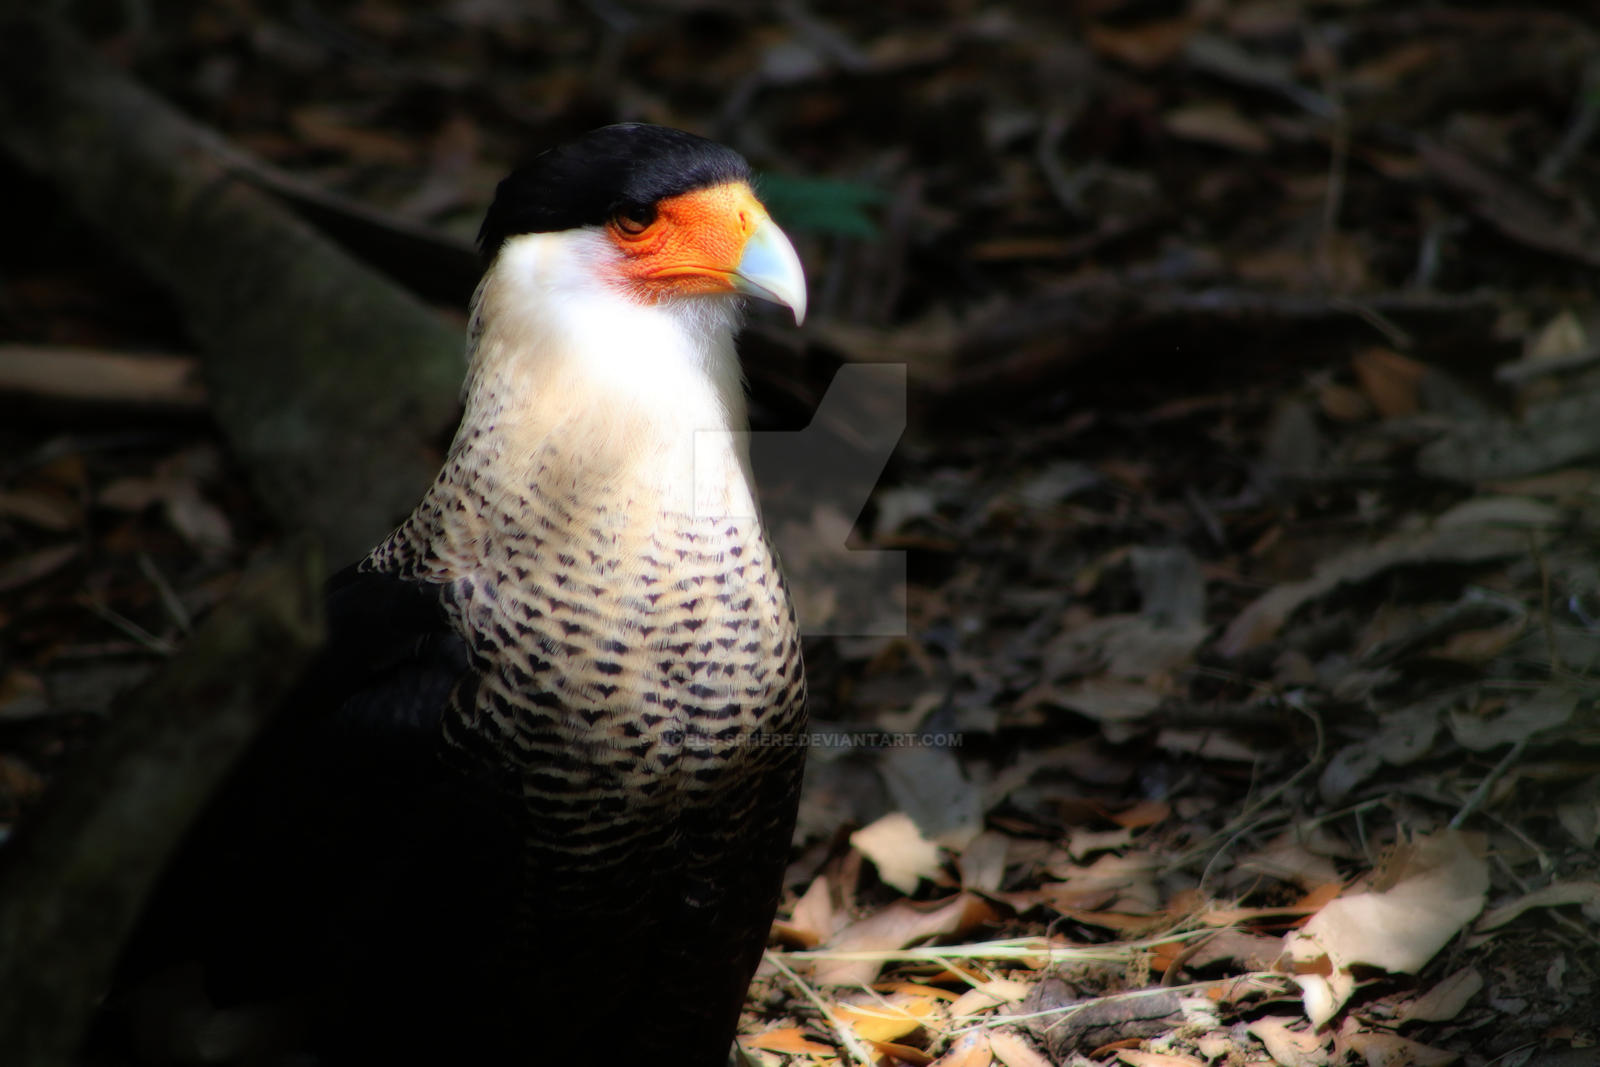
(533, 802)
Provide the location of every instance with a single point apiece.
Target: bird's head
(657, 214)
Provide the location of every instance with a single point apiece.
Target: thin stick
(847, 1037)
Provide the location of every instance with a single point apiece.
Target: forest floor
(1244, 706)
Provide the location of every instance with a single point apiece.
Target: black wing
(344, 870)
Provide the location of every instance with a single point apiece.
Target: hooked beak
(769, 268)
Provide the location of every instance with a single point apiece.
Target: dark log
(79, 871)
(332, 384)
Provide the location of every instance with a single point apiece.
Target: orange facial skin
(692, 246)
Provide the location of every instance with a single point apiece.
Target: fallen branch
(332, 384)
(91, 376)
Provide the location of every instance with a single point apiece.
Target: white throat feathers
(566, 362)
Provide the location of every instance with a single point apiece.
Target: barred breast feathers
(587, 394)
(596, 524)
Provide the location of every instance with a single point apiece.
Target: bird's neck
(595, 390)
(594, 404)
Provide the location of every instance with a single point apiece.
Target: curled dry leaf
(988, 995)
(1542, 709)
(897, 926)
(813, 919)
(894, 1052)
(1584, 894)
(1436, 886)
(1250, 952)
(1391, 1050)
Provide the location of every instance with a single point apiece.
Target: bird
(533, 801)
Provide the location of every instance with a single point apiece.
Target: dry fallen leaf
(1289, 1047)
(1436, 887)
(1144, 813)
(1389, 380)
(1521, 717)
(1014, 1051)
(1463, 535)
(1563, 335)
(887, 1018)
(899, 851)
(47, 510)
(1137, 1058)
(790, 1040)
(1584, 894)
(1147, 45)
(1218, 124)
(813, 919)
(896, 926)
(1444, 1001)
(1287, 859)
(86, 374)
(1391, 1050)
(21, 570)
(970, 1049)
(989, 994)
(1128, 881)
(983, 862)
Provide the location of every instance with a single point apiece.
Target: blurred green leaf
(821, 205)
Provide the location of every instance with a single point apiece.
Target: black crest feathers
(627, 167)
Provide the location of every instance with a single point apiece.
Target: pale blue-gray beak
(770, 269)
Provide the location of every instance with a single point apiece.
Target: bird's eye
(635, 218)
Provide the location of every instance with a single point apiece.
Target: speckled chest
(622, 652)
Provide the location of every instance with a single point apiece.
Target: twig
(144, 638)
(1585, 120)
(1022, 948)
(87, 375)
(1243, 822)
(1391, 330)
(847, 1037)
(169, 596)
(1478, 795)
(1068, 189)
